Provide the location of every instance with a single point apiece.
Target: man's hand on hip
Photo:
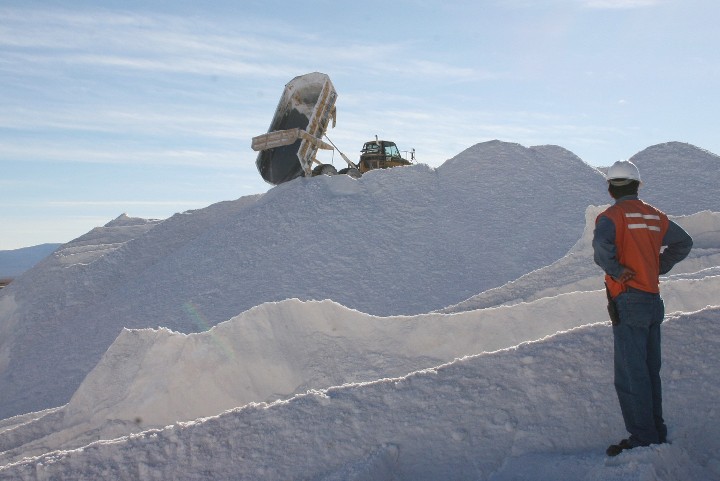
(626, 275)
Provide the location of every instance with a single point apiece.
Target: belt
(639, 291)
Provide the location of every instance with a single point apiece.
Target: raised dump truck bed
(301, 119)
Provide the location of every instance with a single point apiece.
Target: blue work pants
(637, 366)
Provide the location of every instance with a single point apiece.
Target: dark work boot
(615, 449)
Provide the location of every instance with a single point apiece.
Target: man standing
(627, 244)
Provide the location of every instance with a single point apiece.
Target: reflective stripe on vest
(643, 216)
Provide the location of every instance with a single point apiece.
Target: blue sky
(148, 107)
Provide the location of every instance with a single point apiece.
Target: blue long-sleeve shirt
(678, 242)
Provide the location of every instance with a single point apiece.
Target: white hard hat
(623, 172)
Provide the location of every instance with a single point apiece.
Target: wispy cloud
(127, 155)
(131, 121)
(620, 4)
(594, 4)
(165, 43)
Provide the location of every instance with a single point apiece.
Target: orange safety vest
(639, 231)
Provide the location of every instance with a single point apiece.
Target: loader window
(371, 147)
(391, 150)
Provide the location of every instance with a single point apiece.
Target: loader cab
(380, 154)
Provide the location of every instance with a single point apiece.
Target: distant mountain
(15, 262)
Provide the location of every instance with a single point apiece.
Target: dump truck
(288, 150)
